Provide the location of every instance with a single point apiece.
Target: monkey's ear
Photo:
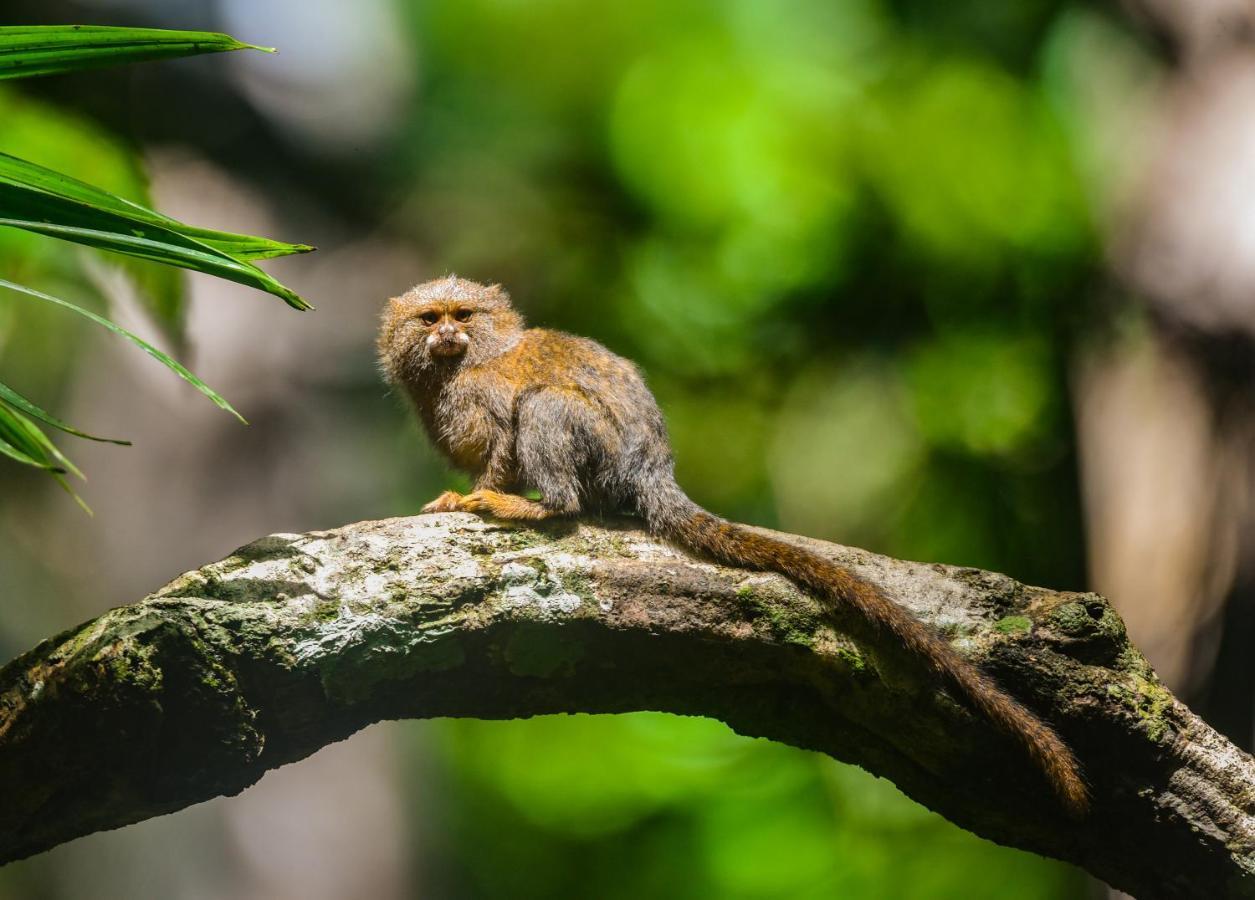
(395, 307)
(498, 293)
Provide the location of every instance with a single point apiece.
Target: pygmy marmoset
(531, 409)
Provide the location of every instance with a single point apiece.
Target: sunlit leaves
(61, 188)
(40, 200)
(46, 202)
(58, 140)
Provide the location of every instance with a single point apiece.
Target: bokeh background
(969, 282)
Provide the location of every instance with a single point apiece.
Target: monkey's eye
(429, 318)
(462, 315)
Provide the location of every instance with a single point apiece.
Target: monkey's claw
(449, 501)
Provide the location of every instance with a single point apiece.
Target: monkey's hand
(449, 501)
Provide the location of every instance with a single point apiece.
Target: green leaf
(24, 436)
(65, 486)
(139, 342)
(31, 207)
(28, 51)
(14, 399)
(241, 246)
(22, 440)
(13, 453)
(36, 177)
(161, 287)
(159, 245)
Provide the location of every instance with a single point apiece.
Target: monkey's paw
(477, 502)
(504, 506)
(449, 501)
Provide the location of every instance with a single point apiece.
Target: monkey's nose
(447, 330)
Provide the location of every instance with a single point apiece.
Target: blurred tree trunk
(1167, 416)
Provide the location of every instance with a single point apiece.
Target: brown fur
(534, 409)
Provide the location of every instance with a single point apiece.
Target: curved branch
(296, 641)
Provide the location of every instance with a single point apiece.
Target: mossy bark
(296, 641)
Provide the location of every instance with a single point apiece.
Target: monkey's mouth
(453, 345)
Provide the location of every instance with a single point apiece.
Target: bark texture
(295, 641)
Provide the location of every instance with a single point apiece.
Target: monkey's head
(446, 323)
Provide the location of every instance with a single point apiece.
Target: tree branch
(296, 641)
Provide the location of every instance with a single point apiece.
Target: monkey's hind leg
(506, 506)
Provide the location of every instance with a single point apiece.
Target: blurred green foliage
(852, 246)
(663, 806)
